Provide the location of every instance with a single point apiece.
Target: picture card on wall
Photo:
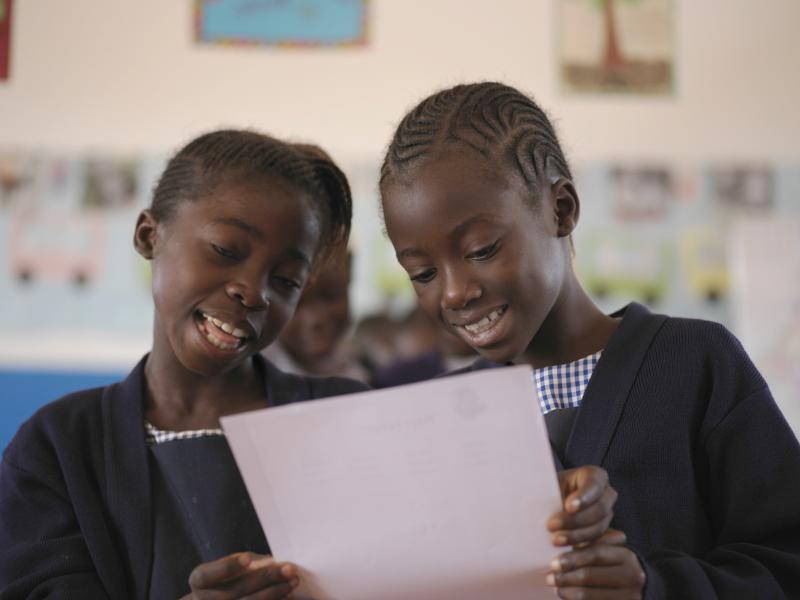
(288, 23)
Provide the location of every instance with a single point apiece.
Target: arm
(753, 502)
(42, 550)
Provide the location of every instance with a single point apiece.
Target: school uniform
(79, 485)
(707, 469)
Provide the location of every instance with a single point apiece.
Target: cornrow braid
(197, 168)
(494, 119)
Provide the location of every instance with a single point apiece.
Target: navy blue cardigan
(707, 469)
(75, 496)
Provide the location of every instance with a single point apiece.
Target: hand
(588, 506)
(242, 574)
(603, 570)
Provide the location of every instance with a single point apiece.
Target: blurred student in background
(313, 343)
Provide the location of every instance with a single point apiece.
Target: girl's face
(228, 270)
(484, 262)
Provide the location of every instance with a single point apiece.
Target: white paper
(429, 491)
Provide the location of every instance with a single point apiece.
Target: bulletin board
(282, 23)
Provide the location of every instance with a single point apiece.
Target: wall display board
(285, 23)
(618, 46)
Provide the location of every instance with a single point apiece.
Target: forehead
(452, 188)
(268, 206)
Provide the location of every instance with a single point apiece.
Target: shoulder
(283, 387)
(72, 421)
(335, 386)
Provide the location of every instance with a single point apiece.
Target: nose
(459, 290)
(252, 296)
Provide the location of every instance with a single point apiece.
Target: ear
(566, 206)
(145, 236)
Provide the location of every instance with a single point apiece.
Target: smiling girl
(480, 206)
(131, 491)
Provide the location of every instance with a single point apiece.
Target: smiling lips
(480, 332)
(221, 334)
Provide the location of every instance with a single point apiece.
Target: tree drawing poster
(616, 46)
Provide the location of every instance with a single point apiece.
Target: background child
(131, 490)
(479, 204)
(313, 343)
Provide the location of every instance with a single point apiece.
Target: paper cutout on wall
(641, 193)
(743, 190)
(47, 246)
(109, 183)
(281, 22)
(616, 46)
(705, 263)
(626, 266)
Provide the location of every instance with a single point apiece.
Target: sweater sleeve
(754, 505)
(42, 550)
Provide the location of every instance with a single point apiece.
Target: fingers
(599, 571)
(243, 575)
(215, 572)
(274, 581)
(585, 526)
(595, 500)
(582, 486)
(597, 594)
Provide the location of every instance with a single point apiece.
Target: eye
(288, 282)
(484, 253)
(424, 276)
(225, 252)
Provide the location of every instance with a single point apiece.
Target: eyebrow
(259, 235)
(457, 231)
(247, 227)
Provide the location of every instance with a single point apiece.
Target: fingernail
(550, 580)
(560, 540)
(244, 560)
(574, 504)
(556, 523)
(555, 564)
(294, 582)
(287, 570)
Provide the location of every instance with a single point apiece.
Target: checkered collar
(562, 386)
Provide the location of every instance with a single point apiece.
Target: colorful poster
(618, 46)
(5, 37)
(281, 22)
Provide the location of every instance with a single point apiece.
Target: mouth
(483, 331)
(220, 333)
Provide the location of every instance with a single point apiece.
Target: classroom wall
(105, 76)
(112, 75)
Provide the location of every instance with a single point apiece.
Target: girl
(99, 497)
(131, 490)
(479, 204)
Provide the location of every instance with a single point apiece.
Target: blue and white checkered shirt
(562, 386)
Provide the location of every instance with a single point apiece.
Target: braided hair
(205, 162)
(493, 119)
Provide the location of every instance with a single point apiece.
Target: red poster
(5, 37)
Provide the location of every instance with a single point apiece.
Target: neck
(574, 328)
(178, 398)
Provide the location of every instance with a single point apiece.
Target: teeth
(209, 334)
(227, 327)
(485, 323)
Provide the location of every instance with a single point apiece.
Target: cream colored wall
(114, 75)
